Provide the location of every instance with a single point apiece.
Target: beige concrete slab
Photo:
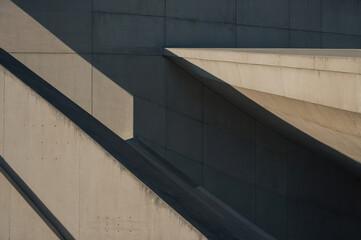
(69, 73)
(334, 89)
(116, 205)
(2, 98)
(4, 184)
(24, 221)
(4, 207)
(112, 105)
(21, 33)
(338, 60)
(43, 149)
(90, 192)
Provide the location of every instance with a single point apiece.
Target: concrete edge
(35, 203)
(264, 116)
(180, 195)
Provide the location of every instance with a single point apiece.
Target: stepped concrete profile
(91, 193)
(241, 144)
(316, 91)
(90, 182)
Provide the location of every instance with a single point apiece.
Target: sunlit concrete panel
(71, 74)
(4, 207)
(25, 32)
(115, 204)
(42, 148)
(112, 105)
(2, 106)
(24, 221)
(4, 184)
(89, 191)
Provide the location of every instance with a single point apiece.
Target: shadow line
(35, 203)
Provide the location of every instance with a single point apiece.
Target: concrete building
(254, 136)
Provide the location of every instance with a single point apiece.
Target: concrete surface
(91, 193)
(260, 171)
(318, 94)
(85, 27)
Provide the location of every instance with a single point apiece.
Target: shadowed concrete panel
(189, 166)
(45, 5)
(145, 7)
(305, 39)
(331, 40)
(271, 161)
(203, 10)
(238, 194)
(123, 33)
(341, 16)
(308, 180)
(223, 115)
(229, 154)
(248, 37)
(184, 135)
(186, 33)
(184, 92)
(149, 121)
(307, 222)
(137, 74)
(69, 73)
(263, 13)
(306, 15)
(106, 201)
(271, 213)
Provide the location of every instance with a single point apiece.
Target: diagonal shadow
(35, 203)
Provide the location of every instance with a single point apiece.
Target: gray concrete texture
(88, 191)
(106, 56)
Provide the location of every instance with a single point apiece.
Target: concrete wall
(106, 56)
(89, 191)
(15, 212)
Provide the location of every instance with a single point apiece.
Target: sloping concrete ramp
(94, 183)
(312, 96)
